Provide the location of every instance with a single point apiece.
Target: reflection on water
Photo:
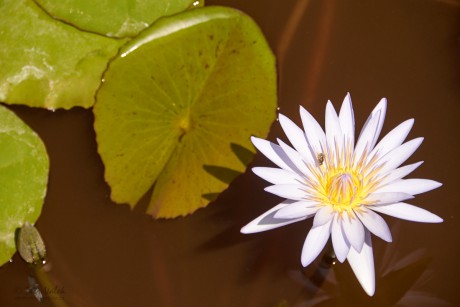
(34, 288)
(107, 255)
(400, 280)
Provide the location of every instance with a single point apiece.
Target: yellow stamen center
(341, 182)
(343, 190)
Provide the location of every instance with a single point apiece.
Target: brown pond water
(102, 254)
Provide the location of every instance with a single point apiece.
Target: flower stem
(322, 270)
(329, 259)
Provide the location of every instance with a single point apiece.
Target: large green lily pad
(23, 179)
(178, 107)
(113, 18)
(47, 63)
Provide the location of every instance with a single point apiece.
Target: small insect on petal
(320, 158)
(30, 244)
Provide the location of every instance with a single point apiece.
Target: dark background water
(102, 254)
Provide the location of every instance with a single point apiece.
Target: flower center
(343, 190)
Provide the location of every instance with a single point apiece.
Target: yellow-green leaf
(113, 18)
(47, 63)
(23, 179)
(179, 105)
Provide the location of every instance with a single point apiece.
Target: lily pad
(24, 169)
(113, 18)
(47, 63)
(179, 105)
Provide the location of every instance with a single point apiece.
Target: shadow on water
(242, 153)
(394, 289)
(224, 174)
(400, 281)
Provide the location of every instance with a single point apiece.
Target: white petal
(347, 119)
(400, 173)
(394, 138)
(315, 134)
(387, 198)
(323, 216)
(339, 240)
(314, 243)
(297, 138)
(267, 221)
(290, 191)
(297, 210)
(380, 109)
(366, 137)
(408, 212)
(273, 152)
(296, 161)
(410, 186)
(398, 156)
(375, 223)
(362, 264)
(354, 230)
(334, 133)
(277, 175)
(379, 115)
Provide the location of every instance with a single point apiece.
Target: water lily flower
(342, 184)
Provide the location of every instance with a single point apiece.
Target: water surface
(102, 254)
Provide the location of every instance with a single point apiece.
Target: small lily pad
(113, 18)
(24, 169)
(178, 102)
(47, 63)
